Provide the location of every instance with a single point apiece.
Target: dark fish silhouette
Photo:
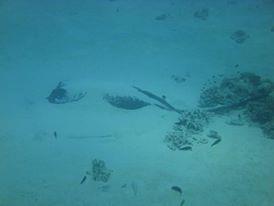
(186, 148)
(55, 134)
(216, 142)
(177, 189)
(182, 202)
(159, 99)
(83, 180)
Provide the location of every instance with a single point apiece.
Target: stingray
(59, 95)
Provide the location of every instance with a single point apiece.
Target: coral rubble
(99, 171)
(189, 124)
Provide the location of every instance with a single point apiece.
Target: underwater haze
(137, 102)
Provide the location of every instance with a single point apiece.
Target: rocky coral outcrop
(247, 91)
(235, 90)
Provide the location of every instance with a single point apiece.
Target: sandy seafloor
(106, 47)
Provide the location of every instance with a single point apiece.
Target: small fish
(55, 134)
(186, 148)
(216, 142)
(182, 202)
(134, 188)
(161, 17)
(177, 189)
(124, 186)
(214, 135)
(83, 180)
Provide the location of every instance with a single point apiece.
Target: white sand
(98, 50)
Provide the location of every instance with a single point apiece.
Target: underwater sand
(98, 49)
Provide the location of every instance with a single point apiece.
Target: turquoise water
(169, 48)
